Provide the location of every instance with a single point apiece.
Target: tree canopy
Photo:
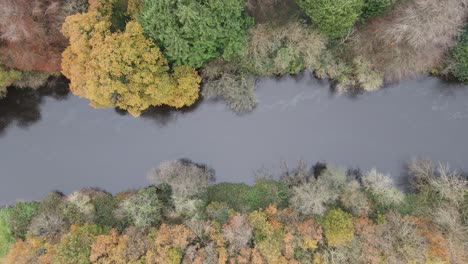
(195, 31)
(122, 69)
(333, 18)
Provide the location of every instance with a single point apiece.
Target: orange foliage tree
(122, 69)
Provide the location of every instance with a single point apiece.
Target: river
(55, 141)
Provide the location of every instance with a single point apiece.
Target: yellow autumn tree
(122, 69)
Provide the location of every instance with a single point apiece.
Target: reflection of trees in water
(163, 115)
(22, 106)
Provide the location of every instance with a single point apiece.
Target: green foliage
(233, 194)
(338, 227)
(75, 247)
(244, 198)
(6, 238)
(218, 211)
(119, 16)
(460, 54)
(193, 32)
(7, 77)
(104, 211)
(32, 79)
(334, 18)
(266, 192)
(20, 217)
(374, 8)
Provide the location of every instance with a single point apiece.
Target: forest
(133, 54)
(312, 214)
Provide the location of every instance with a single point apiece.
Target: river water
(55, 141)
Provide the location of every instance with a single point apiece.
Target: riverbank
(322, 214)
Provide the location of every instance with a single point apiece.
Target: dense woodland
(318, 214)
(132, 54)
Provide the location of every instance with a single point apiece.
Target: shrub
(244, 198)
(82, 202)
(233, 194)
(373, 8)
(75, 247)
(300, 175)
(338, 228)
(266, 192)
(238, 233)
(268, 236)
(412, 38)
(438, 181)
(122, 69)
(400, 240)
(366, 77)
(32, 79)
(130, 247)
(20, 217)
(381, 188)
(104, 214)
(460, 54)
(7, 77)
(193, 32)
(333, 18)
(288, 48)
(334, 177)
(312, 198)
(218, 211)
(49, 226)
(188, 208)
(6, 238)
(30, 33)
(143, 209)
(277, 11)
(236, 89)
(354, 200)
(25, 252)
(169, 244)
(187, 179)
(315, 196)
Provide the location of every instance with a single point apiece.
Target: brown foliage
(269, 10)
(130, 247)
(437, 244)
(101, 250)
(412, 38)
(169, 241)
(238, 233)
(30, 33)
(367, 232)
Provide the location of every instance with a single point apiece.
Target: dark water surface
(59, 142)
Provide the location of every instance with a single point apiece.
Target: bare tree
(412, 38)
(186, 178)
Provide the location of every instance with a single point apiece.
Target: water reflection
(22, 106)
(163, 115)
